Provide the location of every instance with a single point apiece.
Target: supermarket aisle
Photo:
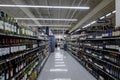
(62, 66)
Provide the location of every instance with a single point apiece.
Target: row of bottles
(12, 67)
(107, 57)
(20, 49)
(27, 73)
(11, 41)
(101, 56)
(12, 51)
(9, 25)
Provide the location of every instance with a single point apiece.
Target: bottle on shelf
(2, 16)
(2, 72)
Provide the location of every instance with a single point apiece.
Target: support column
(117, 13)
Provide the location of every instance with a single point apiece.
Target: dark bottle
(2, 72)
(6, 71)
(2, 21)
(17, 28)
(10, 69)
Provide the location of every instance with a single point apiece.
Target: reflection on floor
(61, 66)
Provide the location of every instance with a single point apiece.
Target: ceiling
(54, 13)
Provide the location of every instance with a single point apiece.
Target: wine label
(34, 45)
(18, 31)
(21, 48)
(101, 78)
(3, 76)
(1, 25)
(26, 32)
(12, 28)
(7, 75)
(6, 26)
(13, 78)
(23, 31)
(0, 52)
(15, 28)
(9, 27)
(16, 70)
(108, 70)
(22, 66)
(19, 68)
(25, 76)
(11, 72)
(12, 49)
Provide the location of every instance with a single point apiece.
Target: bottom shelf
(37, 69)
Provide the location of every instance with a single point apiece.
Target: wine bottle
(6, 71)
(17, 27)
(2, 72)
(2, 17)
(10, 69)
(1, 23)
(12, 25)
(6, 24)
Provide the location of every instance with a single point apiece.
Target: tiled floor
(62, 66)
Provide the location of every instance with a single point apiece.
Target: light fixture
(102, 17)
(114, 11)
(96, 21)
(47, 19)
(42, 6)
(77, 30)
(108, 14)
(93, 22)
(86, 25)
(51, 25)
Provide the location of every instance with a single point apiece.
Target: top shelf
(18, 36)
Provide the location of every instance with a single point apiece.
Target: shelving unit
(20, 57)
(22, 52)
(98, 53)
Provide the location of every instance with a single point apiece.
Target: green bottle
(12, 25)
(20, 30)
(6, 24)
(2, 18)
(1, 23)
(9, 24)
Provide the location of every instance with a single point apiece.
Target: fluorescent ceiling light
(77, 30)
(51, 25)
(102, 17)
(114, 11)
(93, 22)
(89, 24)
(108, 14)
(47, 19)
(41, 6)
(96, 21)
(86, 25)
